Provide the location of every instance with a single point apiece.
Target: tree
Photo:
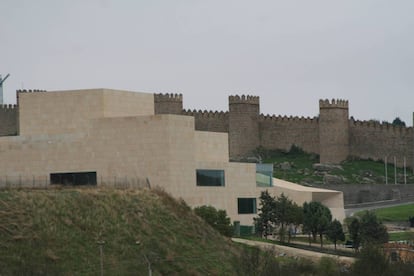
(296, 218)
(372, 231)
(283, 214)
(354, 232)
(265, 221)
(316, 219)
(398, 122)
(367, 230)
(218, 219)
(335, 232)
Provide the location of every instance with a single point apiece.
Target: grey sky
(290, 53)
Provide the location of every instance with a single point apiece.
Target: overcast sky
(290, 53)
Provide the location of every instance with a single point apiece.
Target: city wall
(277, 132)
(8, 119)
(379, 141)
(332, 134)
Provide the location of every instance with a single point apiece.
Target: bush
(218, 219)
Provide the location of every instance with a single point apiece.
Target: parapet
(168, 97)
(244, 99)
(380, 126)
(333, 104)
(206, 114)
(8, 107)
(286, 119)
(27, 91)
(30, 91)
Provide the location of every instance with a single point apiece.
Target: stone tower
(333, 131)
(168, 104)
(243, 125)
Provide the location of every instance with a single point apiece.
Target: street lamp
(101, 243)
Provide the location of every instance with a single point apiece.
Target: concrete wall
(356, 194)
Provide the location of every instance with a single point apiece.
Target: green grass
(401, 236)
(56, 231)
(395, 214)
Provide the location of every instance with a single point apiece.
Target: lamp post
(146, 260)
(101, 243)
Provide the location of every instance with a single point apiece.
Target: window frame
(220, 178)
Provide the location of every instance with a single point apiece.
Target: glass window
(210, 177)
(73, 178)
(246, 205)
(264, 175)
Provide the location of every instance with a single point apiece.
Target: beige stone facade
(117, 135)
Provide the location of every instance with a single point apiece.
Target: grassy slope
(55, 232)
(353, 172)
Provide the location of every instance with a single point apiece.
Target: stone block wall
(168, 104)
(243, 125)
(333, 131)
(8, 120)
(209, 120)
(283, 132)
(377, 141)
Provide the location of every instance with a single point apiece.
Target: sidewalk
(281, 250)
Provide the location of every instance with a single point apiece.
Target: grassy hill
(55, 232)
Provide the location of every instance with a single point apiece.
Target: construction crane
(1, 87)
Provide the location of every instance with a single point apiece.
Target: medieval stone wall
(168, 103)
(243, 125)
(8, 120)
(378, 141)
(333, 131)
(209, 120)
(277, 132)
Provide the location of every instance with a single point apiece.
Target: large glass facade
(213, 178)
(246, 205)
(264, 175)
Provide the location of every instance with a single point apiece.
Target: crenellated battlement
(30, 91)
(168, 97)
(244, 99)
(333, 103)
(286, 119)
(380, 126)
(206, 114)
(8, 107)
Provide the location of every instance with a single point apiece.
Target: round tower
(243, 125)
(168, 104)
(333, 131)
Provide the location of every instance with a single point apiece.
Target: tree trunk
(320, 236)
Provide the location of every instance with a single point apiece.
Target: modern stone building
(108, 137)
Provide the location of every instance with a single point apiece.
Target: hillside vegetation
(299, 167)
(55, 232)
